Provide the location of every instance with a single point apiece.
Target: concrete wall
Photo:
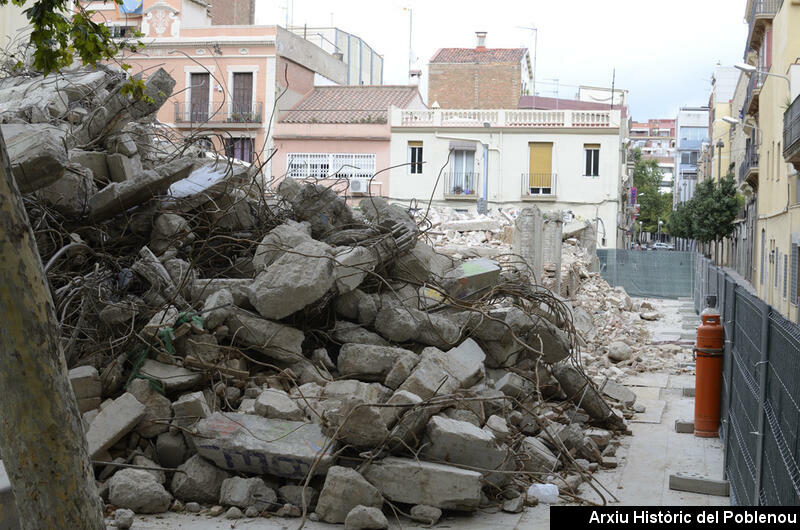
(474, 86)
(14, 29)
(586, 197)
(233, 13)
(194, 14)
(310, 56)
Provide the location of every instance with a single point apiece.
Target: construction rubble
(252, 352)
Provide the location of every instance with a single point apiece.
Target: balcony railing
(506, 118)
(219, 112)
(753, 91)
(761, 11)
(749, 165)
(791, 133)
(538, 186)
(460, 185)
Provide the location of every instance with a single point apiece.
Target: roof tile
(350, 104)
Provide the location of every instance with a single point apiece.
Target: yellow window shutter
(541, 164)
(415, 144)
(591, 146)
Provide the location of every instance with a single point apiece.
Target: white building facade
(691, 133)
(565, 160)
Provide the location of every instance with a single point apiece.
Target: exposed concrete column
(527, 240)
(551, 246)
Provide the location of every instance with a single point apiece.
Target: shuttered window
(795, 259)
(592, 166)
(540, 166)
(763, 252)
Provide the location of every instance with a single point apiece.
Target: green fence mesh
(652, 273)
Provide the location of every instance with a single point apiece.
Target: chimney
(414, 76)
(481, 40)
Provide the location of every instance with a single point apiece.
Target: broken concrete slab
(158, 408)
(356, 423)
(320, 205)
(580, 390)
(471, 278)
(351, 265)
(280, 239)
(190, 408)
(122, 168)
(173, 378)
(85, 381)
(619, 393)
(380, 212)
(198, 481)
(171, 449)
(344, 489)
(70, 194)
(459, 442)
(114, 421)
(416, 482)
(246, 492)
(138, 490)
(37, 154)
(217, 308)
(429, 377)
(118, 197)
(347, 332)
(274, 340)
(466, 363)
(251, 444)
(295, 280)
(374, 363)
(276, 404)
(539, 457)
(401, 324)
(471, 225)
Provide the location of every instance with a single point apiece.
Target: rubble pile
(289, 355)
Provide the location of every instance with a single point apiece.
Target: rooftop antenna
(410, 25)
(613, 80)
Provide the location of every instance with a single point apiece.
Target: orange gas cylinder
(708, 378)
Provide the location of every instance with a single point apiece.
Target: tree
(654, 205)
(42, 442)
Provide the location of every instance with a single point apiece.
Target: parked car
(662, 246)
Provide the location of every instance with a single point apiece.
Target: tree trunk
(42, 442)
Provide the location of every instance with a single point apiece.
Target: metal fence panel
(761, 361)
(661, 274)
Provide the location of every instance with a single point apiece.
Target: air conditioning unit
(359, 186)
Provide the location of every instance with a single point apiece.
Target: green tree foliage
(64, 30)
(710, 213)
(654, 205)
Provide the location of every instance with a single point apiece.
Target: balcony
(474, 118)
(759, 13)
(791, 134)
(753, 91)
(538, 186)
(748, 169)
(219, 112)
(461, 186)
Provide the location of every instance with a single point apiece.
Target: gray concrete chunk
(251, 444)
(415, 482)
(274, 340)
(345, 489)
(37, 154)
(114, 421)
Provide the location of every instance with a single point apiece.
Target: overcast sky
(664, 52)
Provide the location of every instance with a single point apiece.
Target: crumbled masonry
(276, 349)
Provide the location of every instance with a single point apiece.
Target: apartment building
(723, 86)
(691, 127)
(771, 106)
(569, 160)
(656, 140)
(234, 13)
(233, 82)
(479, 77)
(340, 136)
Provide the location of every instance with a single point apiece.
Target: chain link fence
(761, 392)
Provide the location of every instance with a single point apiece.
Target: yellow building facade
(774, 44)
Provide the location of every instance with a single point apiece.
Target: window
(240, 149)
(415, 158)
(198, 102)
(763, 251)
(242, 103)
(330, 165)
(462, 177)
(592, 166)
(694, 134)
(540, 166)
(689, 157)
(122, 32)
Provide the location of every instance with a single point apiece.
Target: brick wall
(474, 86)
(233, 12)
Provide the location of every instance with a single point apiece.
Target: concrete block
(158, 407)
(695, 483)
(467, 363)
(122, 168)
(619, 393)
(246, 492)
(277, 404)
(351, 266)
(173, 378)
(345, 489)
(37, 154)
(200, 481)
(251, 444)
(85, 381)
(415, 482)
(366, 362)
(114, 422)
(93, 160)
(684, 426)
(274, 340)
(471, 225)
(87, 404)
(471, 277)
(138, 490)
(190, 408)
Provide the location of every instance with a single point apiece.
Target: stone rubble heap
(286, 355)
